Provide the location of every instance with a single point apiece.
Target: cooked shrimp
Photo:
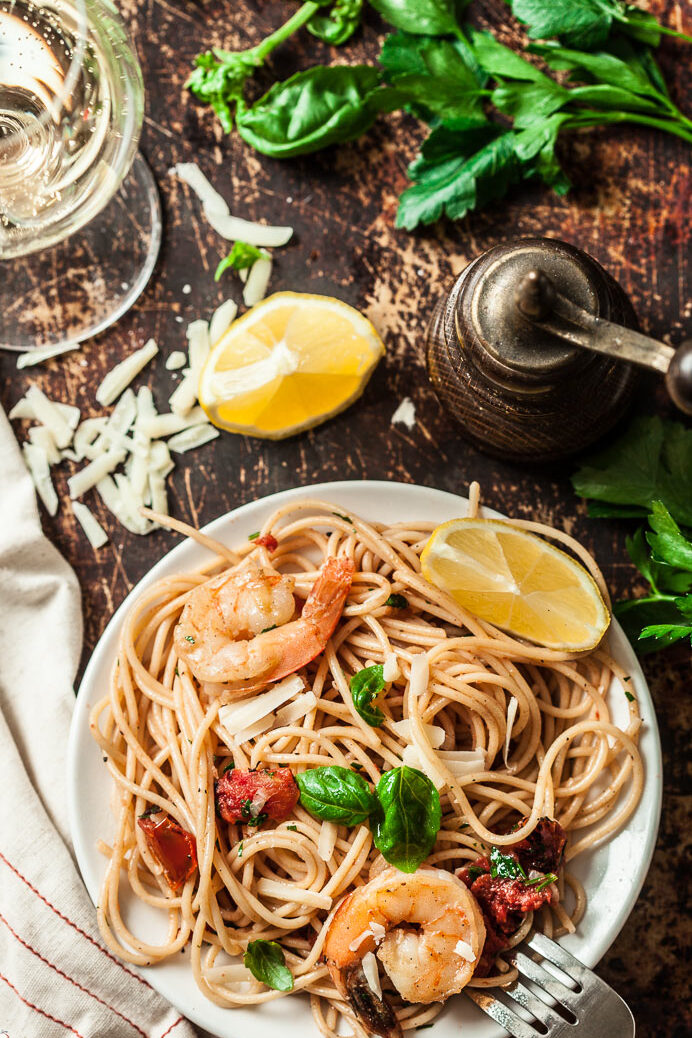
(425, 928)
(238, 627)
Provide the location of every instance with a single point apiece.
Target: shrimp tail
(373, 1009)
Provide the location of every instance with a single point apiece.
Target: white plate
(612, 874)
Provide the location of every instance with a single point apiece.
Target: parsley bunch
(647, 472)
(494, 117)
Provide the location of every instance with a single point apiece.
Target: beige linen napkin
(56, 977)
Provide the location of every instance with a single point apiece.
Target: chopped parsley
(240, 849)
(254, 536)
(344, 517)
(629, 696)
(293, 828)
(541, 882)
(189, 638)
(153, 810)
(272, 628)
(505, 866)
(397, 602)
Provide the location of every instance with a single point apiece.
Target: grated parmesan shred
(96, 535)
(41, 353)
(119, 377)
(221, 320)
(511, 717)
(37, 463)
(257, 282)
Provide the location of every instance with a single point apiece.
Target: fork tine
(556, 954)
(502, 1015)
(535, 972)
(535, 1005)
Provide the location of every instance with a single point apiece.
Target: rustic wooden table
(630, 208)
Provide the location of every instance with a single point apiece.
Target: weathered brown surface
(630, 209)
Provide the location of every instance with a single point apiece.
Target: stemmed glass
(80, 217)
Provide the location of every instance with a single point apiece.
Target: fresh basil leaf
(667, 542)
(505, 866)
(240, 257)
(365, 687)
(423, 17)
(339, 24)
(405, 829)
(336, 794)
(323, 105)
(266, 962)
(650, 461)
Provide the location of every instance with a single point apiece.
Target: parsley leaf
(651, 461)
(587, 23)
(505, 866)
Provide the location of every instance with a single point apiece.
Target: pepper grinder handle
(539, 301)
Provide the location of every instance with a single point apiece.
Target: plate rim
(653, 763)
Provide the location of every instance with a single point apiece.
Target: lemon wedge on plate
(288, 364)
(518, 582)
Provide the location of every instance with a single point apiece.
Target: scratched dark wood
(630, 209)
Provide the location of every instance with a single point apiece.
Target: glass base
(81, 286)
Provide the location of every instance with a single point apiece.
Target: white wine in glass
(80, 222)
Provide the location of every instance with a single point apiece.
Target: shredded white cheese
(257, 282)
(217, 212)
(371, 973)
(167, 424)
(327, 841)
(86, 434)
(375, 930)
(236, 719)
(390, 667)
(511, 717)
(119, 377)
(418, 680)
(95, 533)
(42, 437)
(176, 360)
(435, 734)
(465, 951)
(300, 706)
(460, 762)
(221, 320)
(24, 409)
(41, 353)
(37, 463)
(188, 439)
(405, 414)
(95, 471)
(46, 412)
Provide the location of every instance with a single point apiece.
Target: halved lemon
(288, 364)
(518, 582)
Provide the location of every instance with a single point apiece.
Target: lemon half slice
(517, 581)
(288, 364)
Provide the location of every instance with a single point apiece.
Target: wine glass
(80, 217)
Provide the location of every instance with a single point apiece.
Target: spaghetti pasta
(455, 682)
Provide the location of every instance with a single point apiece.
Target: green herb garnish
(505, 866)
(541, 882)
(266, 962)
(293, 828)
(405, 829)
(336, 794)
(154, 810)
(240, 257)
(344, 517)
(189, 638)
(365, 687)
(629, 696)
(253, 536)
(397, 602)
(271, 628)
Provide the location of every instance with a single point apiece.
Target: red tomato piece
(253, 796)
(268, 542)
(174, 848)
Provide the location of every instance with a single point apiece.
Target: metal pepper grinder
(535, 351)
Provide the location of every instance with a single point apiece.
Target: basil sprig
(266, 962)
(404, 811)
(365, 687)
(405, 831)
(336, 794)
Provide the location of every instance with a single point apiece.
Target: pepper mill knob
(679, 377)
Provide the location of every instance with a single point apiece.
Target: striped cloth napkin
(56, 977)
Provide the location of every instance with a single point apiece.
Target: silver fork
(591, 1008)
